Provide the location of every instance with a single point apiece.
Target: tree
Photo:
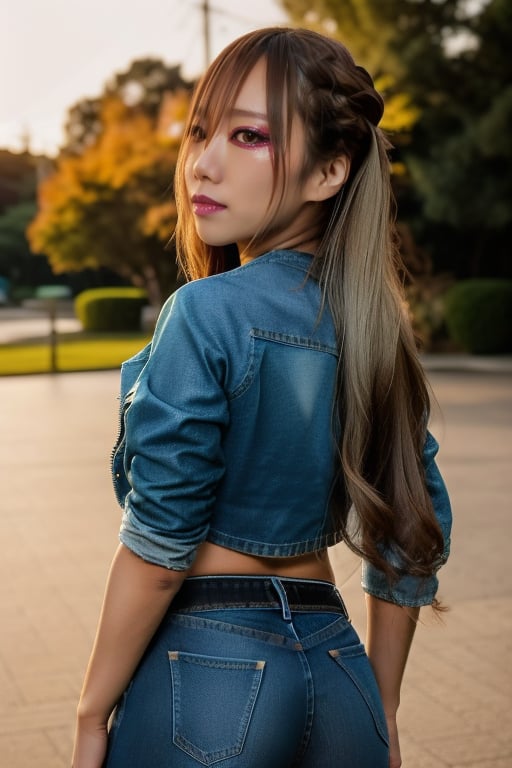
(17, 262)
(454, 186)
(461, 163)
(359, 24)
(388, 37)
(142, 85)
(18, 178)
(108, 206)
(404, 41)
(18, 181)
(109, 203)
(83, 126)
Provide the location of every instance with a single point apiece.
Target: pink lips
(203, 206)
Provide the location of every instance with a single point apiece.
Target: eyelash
(259, 138)
(197, 133)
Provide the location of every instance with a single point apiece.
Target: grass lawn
(74, 352)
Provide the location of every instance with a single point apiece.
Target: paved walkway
(58, 528)
(22, 323)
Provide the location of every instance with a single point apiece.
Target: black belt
(217, 592)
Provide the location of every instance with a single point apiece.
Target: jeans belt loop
(287, 615)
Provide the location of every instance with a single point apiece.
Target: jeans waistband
(217, 592)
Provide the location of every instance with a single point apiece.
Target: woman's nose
(208, 164)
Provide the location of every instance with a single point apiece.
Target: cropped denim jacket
(226, 422)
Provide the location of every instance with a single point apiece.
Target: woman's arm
(136, 598)
(390, 630)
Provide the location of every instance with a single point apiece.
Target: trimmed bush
(111, 309)
(479, 315)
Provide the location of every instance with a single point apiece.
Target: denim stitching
(208, 758)
(302, 342)
(358, 652)
(337, 627)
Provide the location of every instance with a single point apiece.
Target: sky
(55, 52)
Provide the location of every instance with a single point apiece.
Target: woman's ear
(327, 179)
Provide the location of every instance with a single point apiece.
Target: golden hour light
(255, 383)
(53, 54)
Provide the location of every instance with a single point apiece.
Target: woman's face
(229, 177)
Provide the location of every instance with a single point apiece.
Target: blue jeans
(242, 686)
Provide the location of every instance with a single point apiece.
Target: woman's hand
(90, 747)
(395, 759)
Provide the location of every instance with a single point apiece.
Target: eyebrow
(249, 113)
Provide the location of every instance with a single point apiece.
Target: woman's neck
(302, 245)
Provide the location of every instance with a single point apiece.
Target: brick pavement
(58, 528)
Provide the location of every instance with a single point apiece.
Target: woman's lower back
(212, 559)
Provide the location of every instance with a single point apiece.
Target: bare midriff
(214, 560)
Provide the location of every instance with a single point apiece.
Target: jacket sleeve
(412, 590)
(173, 455)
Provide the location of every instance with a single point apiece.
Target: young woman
(279, 409)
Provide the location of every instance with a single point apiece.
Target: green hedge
(110, 309)
(479, 315)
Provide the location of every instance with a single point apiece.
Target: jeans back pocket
(212, 702)
(355, 663)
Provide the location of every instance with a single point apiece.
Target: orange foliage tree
(112, 205)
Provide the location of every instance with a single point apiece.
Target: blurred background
(92, 102)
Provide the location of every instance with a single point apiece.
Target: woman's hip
(251, 685)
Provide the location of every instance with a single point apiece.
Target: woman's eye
(197, 133)
(250, 138)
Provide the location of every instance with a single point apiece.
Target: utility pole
(205, 7)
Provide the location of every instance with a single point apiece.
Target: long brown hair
(381, 405)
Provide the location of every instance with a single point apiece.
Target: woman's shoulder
(240, 298)
(256, 272)
(203, 299)
(208, 305)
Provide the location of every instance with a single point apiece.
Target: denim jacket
(226, 423)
